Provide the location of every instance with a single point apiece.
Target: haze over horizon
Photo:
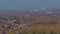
(27, 4)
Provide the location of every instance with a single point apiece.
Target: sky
(28, 4)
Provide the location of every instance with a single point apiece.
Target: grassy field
(41, 29)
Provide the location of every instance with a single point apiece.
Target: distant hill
(30, 12)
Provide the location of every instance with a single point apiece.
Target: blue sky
(34, 4)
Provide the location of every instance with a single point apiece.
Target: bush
(23, 33)
(52, 32)
(52, 22)
(41, 32)
(34, 32)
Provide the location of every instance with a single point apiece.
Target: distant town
(14, 22)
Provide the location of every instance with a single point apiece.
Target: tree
(17, 22)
